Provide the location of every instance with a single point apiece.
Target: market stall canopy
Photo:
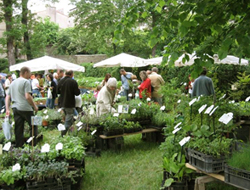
(122, 60)
(230, 59)
(154, 61)
(47, 63)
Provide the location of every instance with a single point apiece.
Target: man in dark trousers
(68, 89)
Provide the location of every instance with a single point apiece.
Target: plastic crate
(204, 162)
(65, 185)
(237, 177)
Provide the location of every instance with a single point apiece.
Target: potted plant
(112, 126)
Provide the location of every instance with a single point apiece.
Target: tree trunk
(25, 25)
(8, 10)
(154, 19)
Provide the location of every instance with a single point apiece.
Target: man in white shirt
(35, 87)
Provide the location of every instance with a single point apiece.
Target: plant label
(213, 110)
(176, 130)
(93, 132)
(1, 149)
(36, 120)
(92, 111)
(148, 99)
(248, 98)
(202, 108)
(184, 140)
(136, 94)
(177, 125)
(45, 148)
(88, 92)
(41, 103)
(185, 84)
(133, 111)
(120, 108)
(47, 116)
(79, 124)
(130, 95)
(79, 128)
(231, 102)
(45, 111)
(7, 146)
(118, 96)
(179, 101)
(162, 108)
(222, 97)
(116, 115)
(226, 118)
(59, 146)
(16, 167)
(30, 139)
(192, 101)
(13, 123)
(139, 104)
(2, 110)
(181, 83)
(61, 127)
(59, 110)
(209, 109)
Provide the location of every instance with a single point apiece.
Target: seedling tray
(204, 162)
(237, 177)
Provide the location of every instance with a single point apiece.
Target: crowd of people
(21, 91)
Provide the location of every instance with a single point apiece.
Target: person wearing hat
(105, 98)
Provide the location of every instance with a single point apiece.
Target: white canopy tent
(122, 60)
(230, 59)
(47, 63)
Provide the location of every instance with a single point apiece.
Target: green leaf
(168, 182)
(144, 14)
(158, 9)
(162, 3)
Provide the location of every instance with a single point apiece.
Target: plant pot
(45, 123)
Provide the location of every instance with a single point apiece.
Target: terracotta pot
(45, 123)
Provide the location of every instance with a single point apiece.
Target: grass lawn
(137, 166)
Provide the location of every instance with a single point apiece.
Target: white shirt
(34, 83)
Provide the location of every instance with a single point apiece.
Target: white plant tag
(45, 111)
(45, 148)
(222, 97)
(133, 111)
(130, 95)
(79, 128)
(139, 104)
(13, 123)
(59, 110)
(118, 96)
(116, 115)
(213, 110)
(61, 127)
(184, 140)
(2, 110)
(226, 118)
(185, 84)
(16, 167)
(192, 101)
(120, 108)
(41, 103)
(36, 120)
(248, 98)
(30, 139)
(136, 94)
(79, 124)
(179, 101)
(93, 132)
(177, 125)
(209, 109)
(202, 108)
(176, 130)
(231, 102)
(59, 146)
(148, 99)
(162, 108)
(92, 111)
(47, 116)
(7, 146)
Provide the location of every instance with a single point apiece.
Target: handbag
(7, 128)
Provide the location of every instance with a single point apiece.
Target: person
(156, 82)
(96, 92)
(35, 86)
(52, 94)
(23, 105)
(125, 77)
(7, 83)
(60, 74)
(148, 72)
(135, 90)
(68, 89)
(105, 80)
(2, 96)
(145, 85)
(189, 87)
(41, 83)
(203, 85)
(105, 98)
(55, 77)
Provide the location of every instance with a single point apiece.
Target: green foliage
(4, 64)
(112, 123)
(9, 177)
(240, 159)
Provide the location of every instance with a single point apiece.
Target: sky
(39, 5)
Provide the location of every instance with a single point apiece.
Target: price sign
(192, 101)
(59, 146)
(184, 140)
(209, 109)
(45, 148)
(202, 108)
(61, 127)
(120, 108)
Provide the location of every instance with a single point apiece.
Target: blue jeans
(2, 103)
(36, 93)
(50, 103)
(125, 93)
(69, 119)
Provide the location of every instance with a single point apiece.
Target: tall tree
(8, 17)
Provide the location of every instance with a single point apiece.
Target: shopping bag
(7, 128)
(49, 94)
